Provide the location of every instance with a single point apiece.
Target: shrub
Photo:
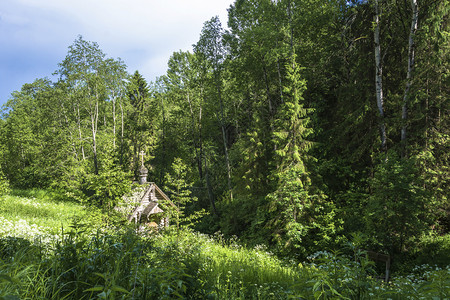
(433, 250)
(4, 184)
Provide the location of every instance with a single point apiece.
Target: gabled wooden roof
(149, 202)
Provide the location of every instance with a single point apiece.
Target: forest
(303, 126)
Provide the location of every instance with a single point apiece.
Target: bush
(107, 188)
(433, 250)
(4, 184)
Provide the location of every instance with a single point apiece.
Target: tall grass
(36, 214)
(222, 269)
(121, 264)
(118, 263)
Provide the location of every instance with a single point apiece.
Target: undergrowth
(118, 263)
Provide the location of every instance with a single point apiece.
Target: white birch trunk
(121, 124)
(412, 33)
(93, 111)
(379, 76)
(114, 119)
(80, 135)
(94, 138)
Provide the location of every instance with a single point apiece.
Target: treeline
(303, 123)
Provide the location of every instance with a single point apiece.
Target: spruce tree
(293, 202)
(139, 122)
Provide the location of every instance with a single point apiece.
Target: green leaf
(5, 278)
(318, 294)
(100, 275)
(10, 297)
(316, 286)
(120, 289)
(10, 279)
(95, 289)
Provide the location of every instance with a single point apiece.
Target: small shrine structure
(148, 203)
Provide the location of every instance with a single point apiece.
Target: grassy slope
(35, 213)
(186, 265)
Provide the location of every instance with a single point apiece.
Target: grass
(118, 263)
(227, 270)
(36, 213)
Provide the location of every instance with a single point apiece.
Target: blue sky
(35, 34)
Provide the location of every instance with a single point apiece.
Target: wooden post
(383, 258)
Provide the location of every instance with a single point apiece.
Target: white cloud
(144, 33)
(121, 24)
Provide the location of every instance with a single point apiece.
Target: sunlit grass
(36, 213)
(256, 266)
(119, 262)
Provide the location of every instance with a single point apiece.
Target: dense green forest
(303, 125)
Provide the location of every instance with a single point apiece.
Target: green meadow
(52, 250)
(37, 213)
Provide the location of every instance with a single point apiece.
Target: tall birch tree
(379, 75)
(90, 80)
(409, 76)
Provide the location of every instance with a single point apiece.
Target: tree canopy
(301, 124)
